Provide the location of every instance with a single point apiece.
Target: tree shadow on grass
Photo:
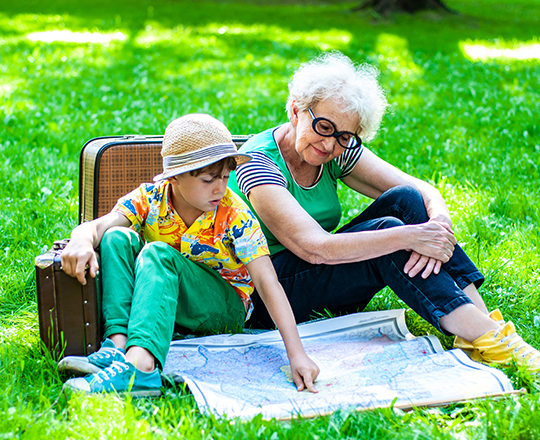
(427, 32)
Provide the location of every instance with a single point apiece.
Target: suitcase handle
(52, 256)
(140, 137)
(59, 245)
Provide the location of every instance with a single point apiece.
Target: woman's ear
(294, 113)
(172, 180)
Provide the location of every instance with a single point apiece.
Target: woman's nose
(329, 144)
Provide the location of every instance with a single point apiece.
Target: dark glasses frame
(354, 141)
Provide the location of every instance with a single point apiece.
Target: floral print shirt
(225, 239)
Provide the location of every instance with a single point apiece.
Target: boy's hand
(80, 254)
(75, 259)
(304, 372)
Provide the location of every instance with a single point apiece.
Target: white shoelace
(110, 372)
(104, 354)
(109, 352)
(515, 339)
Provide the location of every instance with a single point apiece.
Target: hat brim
(239, 157)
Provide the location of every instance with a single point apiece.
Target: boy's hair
(216, 169)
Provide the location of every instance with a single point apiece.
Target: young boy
(191, 257)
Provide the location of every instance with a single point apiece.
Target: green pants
(147, 288)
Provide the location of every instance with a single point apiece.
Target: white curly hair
(333, 75)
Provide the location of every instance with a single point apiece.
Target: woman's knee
(389, 222)
(407, 202)
(403, 194)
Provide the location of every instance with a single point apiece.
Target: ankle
(141, 358)
(119, 340)
(468, 322)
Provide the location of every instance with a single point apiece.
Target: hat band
(177, 160)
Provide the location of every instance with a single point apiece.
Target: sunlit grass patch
(7, 87)
(24, 24)
(479, 50)
(67, 36)
(20, 24)
(395, 57)
(224, 34)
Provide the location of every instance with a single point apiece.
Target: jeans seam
(396, 208)
(295, 275)
(468, 279)
(409, 282)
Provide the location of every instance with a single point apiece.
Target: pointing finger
(309, 384)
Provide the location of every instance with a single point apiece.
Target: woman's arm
(304, 370)
(80, 253)
(302, 235)
(372, 176)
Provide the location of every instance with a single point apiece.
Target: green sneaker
(122, 378)
(83, 365)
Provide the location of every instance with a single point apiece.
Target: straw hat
(195, 141)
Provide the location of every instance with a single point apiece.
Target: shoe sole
(142, 393)
(136, 394)
(77, 367)
(507, 363)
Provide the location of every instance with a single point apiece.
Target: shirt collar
(207, 219)
(164, 207)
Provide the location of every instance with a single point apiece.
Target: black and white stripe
(348, 160)
(261, 170)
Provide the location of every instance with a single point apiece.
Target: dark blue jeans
(347, 288)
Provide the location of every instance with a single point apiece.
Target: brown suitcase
(69, 313)
(110, 167)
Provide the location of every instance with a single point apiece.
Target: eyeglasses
(326, 128)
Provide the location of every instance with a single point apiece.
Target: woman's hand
(436, 246)
(444, 219)
(418, 262)
(304, 372)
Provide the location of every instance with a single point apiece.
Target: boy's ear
(171, 179)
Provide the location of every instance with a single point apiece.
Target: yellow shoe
(466, 346)
(496, 315)
(504, 346)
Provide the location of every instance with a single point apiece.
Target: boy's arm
(304, 370)
(79, 252)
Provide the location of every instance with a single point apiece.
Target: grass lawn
(465, 98)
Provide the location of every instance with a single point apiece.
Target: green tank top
(320, 201)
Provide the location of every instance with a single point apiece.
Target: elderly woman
(404, 239)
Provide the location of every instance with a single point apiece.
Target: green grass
(468, 126)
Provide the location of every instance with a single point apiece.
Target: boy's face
(202, 193)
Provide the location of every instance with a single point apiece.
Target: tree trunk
(411, 6)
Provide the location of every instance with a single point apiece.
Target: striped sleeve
(261, 170)
(348, 160)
